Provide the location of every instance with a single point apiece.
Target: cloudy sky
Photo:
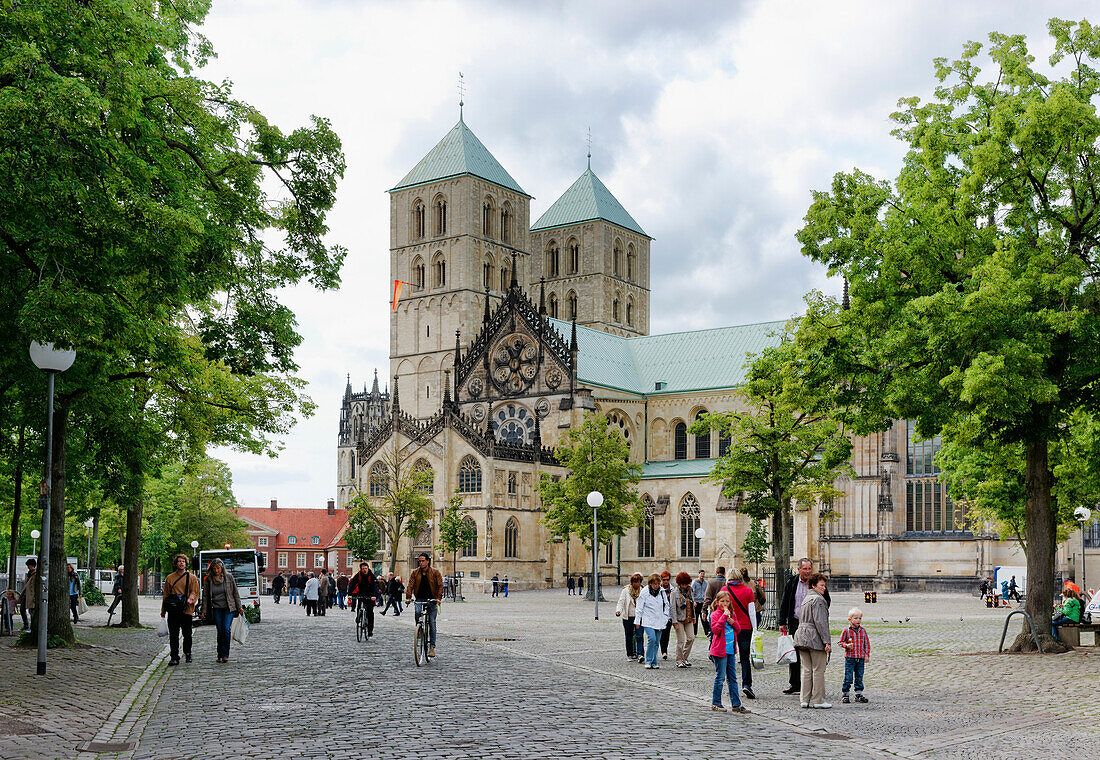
(711, 122)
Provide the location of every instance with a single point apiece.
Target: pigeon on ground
(906, 620)
(883, 619)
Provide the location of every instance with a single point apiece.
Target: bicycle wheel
(359, 625)
(420, 649)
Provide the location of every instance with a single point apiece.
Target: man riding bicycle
(363, 588)
(426, 584)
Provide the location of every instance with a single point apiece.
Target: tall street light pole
(52, 361)
(1083, 515)
(595, 500)
(34, 537)
(88, 557)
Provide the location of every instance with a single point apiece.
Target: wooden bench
(1070, 633)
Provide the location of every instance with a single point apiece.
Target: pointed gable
(458, 153)
(586, 200)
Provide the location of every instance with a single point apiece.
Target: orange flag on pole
(397, 291)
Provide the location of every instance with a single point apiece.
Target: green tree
(361, 535)
(755, 546)
(143, 228)
(455, 530)
(397, 500)
(973, 288)
(787, 448)
(597, 457)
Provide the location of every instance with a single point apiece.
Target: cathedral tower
(457, 222)
(595, 259)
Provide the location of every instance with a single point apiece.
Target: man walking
(504, 586)
(116, 592)
(426, 583)
(793, 594)
(341, 590)
(292, 588)
(496, 584)
(302, 580)
(394, 588)
(699, 598)
(571, 585)
(28, 599)
(277, 584)
(181, 591)
(1014, 590)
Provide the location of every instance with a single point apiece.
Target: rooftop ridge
(459, 153)
(587, 199)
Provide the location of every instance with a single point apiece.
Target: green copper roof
(586, 199)
(458, 153)
(686, 361)
(682, 468)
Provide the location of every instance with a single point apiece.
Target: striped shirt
(861, 643)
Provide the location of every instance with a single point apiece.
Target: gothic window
(378, 480)
(418, 273)
(609, 554)
(418, 220)
(680, 441)
(630, 263)
(723, 443)
(645, 530)
(511, 538)
(513, 484)
(487, 275)
(617, 259)
(702, 442)
(618, 421)
(353, 456)
(689, 523)
(615, 310)
(574, 257)
(920, 453)
(553, 260)
(487, 218)
(554, 305)
(506, 224)
(514, 425)
(470, 549)
(630, 312)
(504, 278)
(469, 476)
(439, 268)
(440, 217)
(422, 466)
(572, 301)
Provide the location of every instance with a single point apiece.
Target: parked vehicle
(245, 565)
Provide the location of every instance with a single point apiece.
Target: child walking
(857, 651)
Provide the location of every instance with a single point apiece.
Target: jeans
(634, 638)
(223, 621)
(652, 637)
(853, 671)
(725, 671)
(1060, 620)
(505, 590)
(293, 597)
(394, 602)
(340, 598)
(179, 621)
(432, 610)
(744, 645)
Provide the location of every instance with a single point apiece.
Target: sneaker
(431, 652)
(822, 706)
(861, 698)
(845, 699)
(792, 690)
(717, 708)
(187, 657)
(740, 709)
(656, 667)
(749, 693)
(649, 667)
(664, 656)
(687, 664)
(174, 661)
(681, 665)
(803, 704)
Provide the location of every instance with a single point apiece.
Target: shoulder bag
(177, 603)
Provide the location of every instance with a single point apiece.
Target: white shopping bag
(784, 651)
(162, 628)
(756, 649)
(239, 630)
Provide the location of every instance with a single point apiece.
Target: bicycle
(422, 638)
(361, 633)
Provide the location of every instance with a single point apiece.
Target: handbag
(178, 602)
(784, 651)
(239, 631)
(81, 605)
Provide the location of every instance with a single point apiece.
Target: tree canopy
(397, 499)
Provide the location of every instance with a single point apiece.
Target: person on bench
(1068, 613)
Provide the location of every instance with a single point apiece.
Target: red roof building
(294, 539)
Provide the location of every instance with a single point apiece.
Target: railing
(1038, 644)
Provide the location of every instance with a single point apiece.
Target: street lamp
(51, 360)
(595, 500)
(1083, 515)
(34, 537)
(88, 556)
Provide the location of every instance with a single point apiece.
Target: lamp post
(34, 537)
(88, 557)
(1083, 515)
(52, 361)
(595, 500)
(195, 556)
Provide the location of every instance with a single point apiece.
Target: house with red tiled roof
(294, 539)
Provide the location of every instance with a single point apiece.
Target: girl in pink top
(723, 652)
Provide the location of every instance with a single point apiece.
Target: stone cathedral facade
(508, 332)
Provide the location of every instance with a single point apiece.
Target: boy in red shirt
(857, 651)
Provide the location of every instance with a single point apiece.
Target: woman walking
(625, 609)
(812, 642)
(221, 603)
(651, 614)
(683, 618)
(723, 652)
(74, 591)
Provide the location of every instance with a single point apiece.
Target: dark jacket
(277, 584)
(396, 587)
(363, 584)
(786, 607)
(342, 584)
(116, 587)
(292, 582)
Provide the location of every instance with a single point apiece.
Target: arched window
(553, 260)
(440, 216)
(487, 218)
(487, 275)
(506, 224)
(553, 305)
(513, 484)
(418, 273)
(630, 312)
(689, 523)
(419, 226)
(617, 259)
(511, 538)
(353, 458)
(574, 257)
(470, 549)
(680, 441)
(469, 476)
(723, 443)
(615, 310)
(378, 480)
(422, 467)
(645, 530)
(439, 268)
(572, 301)
(630, 262)
(504, 282)
(702, 442)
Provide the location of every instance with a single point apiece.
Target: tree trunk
(782, 527)
(93, 559)
(18, 508)
(1041, 539)
(130, 616)
(58, 598)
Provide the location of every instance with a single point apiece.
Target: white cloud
(711, 122)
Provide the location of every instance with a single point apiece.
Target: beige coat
(813, 622)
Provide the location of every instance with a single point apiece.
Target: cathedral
(507, 333)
